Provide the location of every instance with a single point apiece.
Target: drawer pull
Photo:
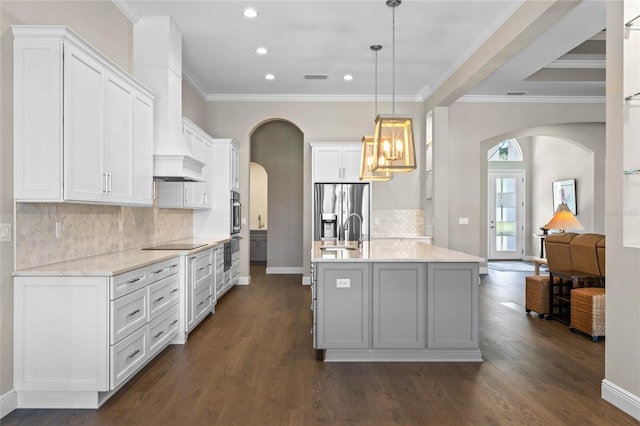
(158, 271)
(133, 280)
(158, 299)
(174, 290)
(134, 353)
(158, 335)
(173, 323)
(200, 304)
(201, 269)
(133, 313)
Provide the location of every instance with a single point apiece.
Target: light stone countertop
(389, 250)
(110, 264)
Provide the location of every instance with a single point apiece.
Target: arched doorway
(259, 219)
(278, 146)
(550, 153)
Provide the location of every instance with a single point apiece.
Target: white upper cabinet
(336, 162)
(84, 127)
(190, 195)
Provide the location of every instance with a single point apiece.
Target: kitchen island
(394, 300)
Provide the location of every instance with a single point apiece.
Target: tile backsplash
(88, 230)
(397, 222)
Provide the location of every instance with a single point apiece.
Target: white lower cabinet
(77, 339)
(199, 288)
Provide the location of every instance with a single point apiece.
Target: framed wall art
(564, 191)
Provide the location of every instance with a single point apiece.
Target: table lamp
(563, 219)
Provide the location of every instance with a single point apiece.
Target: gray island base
(393, 300)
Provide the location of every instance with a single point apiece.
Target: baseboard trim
(624, 400)
(244, 280)
(284, 270)
(8, 402)
(306, 280)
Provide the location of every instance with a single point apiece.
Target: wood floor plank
(252, 363)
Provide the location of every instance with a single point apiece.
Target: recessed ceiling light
(262, 51)
(269, 76)
(348, 77)
(250, 13)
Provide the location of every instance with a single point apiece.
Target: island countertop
(387, 251)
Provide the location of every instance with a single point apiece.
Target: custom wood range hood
(157, 62)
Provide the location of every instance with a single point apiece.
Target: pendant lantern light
(368, 158)
(393, 144)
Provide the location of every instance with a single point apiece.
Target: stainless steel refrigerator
(341, 211)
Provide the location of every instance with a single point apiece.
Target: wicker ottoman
(537, 294)
(587, 311)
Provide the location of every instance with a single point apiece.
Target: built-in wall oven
(235, 212)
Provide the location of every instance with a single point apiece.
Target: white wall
(473, 129)
(319, 121)
(622, 369)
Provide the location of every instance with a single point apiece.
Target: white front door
(506, 218)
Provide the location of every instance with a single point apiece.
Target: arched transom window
(507, 150)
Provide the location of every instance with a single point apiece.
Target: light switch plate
(343, 283)
(5, 232)
(463, 221)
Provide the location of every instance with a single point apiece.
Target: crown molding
(193, 82)
(307, 98)
(534, 99)
(131, 12)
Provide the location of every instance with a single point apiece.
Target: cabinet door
(399, 300)
(142, 150)
(37, 126)
(351, 158)
(327, 163)
(118, 140)
(343, 300)
(452, 305)
(85, 179)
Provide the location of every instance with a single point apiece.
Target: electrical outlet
(343, 283)
(120, 226)
(243, 220)
(463, 221)
(5, 232)
(58, 229)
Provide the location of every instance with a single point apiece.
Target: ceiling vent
(316, 76)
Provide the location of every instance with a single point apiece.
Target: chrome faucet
(346, 226)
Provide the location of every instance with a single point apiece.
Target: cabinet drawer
(128, 282)
(203, 267)
(128, 313)
(202, 302)
(128, 355)
(163, 269)
(163, 294)
(162, 330)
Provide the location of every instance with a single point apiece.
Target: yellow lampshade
(368, 162)
(563, 219)
(393, 144)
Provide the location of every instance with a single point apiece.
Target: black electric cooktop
(175, 246)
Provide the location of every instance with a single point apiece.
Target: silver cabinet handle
(202, 268)
(173, 323)
(174, 290)
(158, 299)
(134, 353)
(200, 304)
(133, 313)
(158, 335)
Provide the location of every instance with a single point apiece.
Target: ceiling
(333, 38)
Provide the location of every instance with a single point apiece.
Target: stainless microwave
(235, 212)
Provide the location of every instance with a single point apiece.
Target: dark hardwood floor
(253, 364)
